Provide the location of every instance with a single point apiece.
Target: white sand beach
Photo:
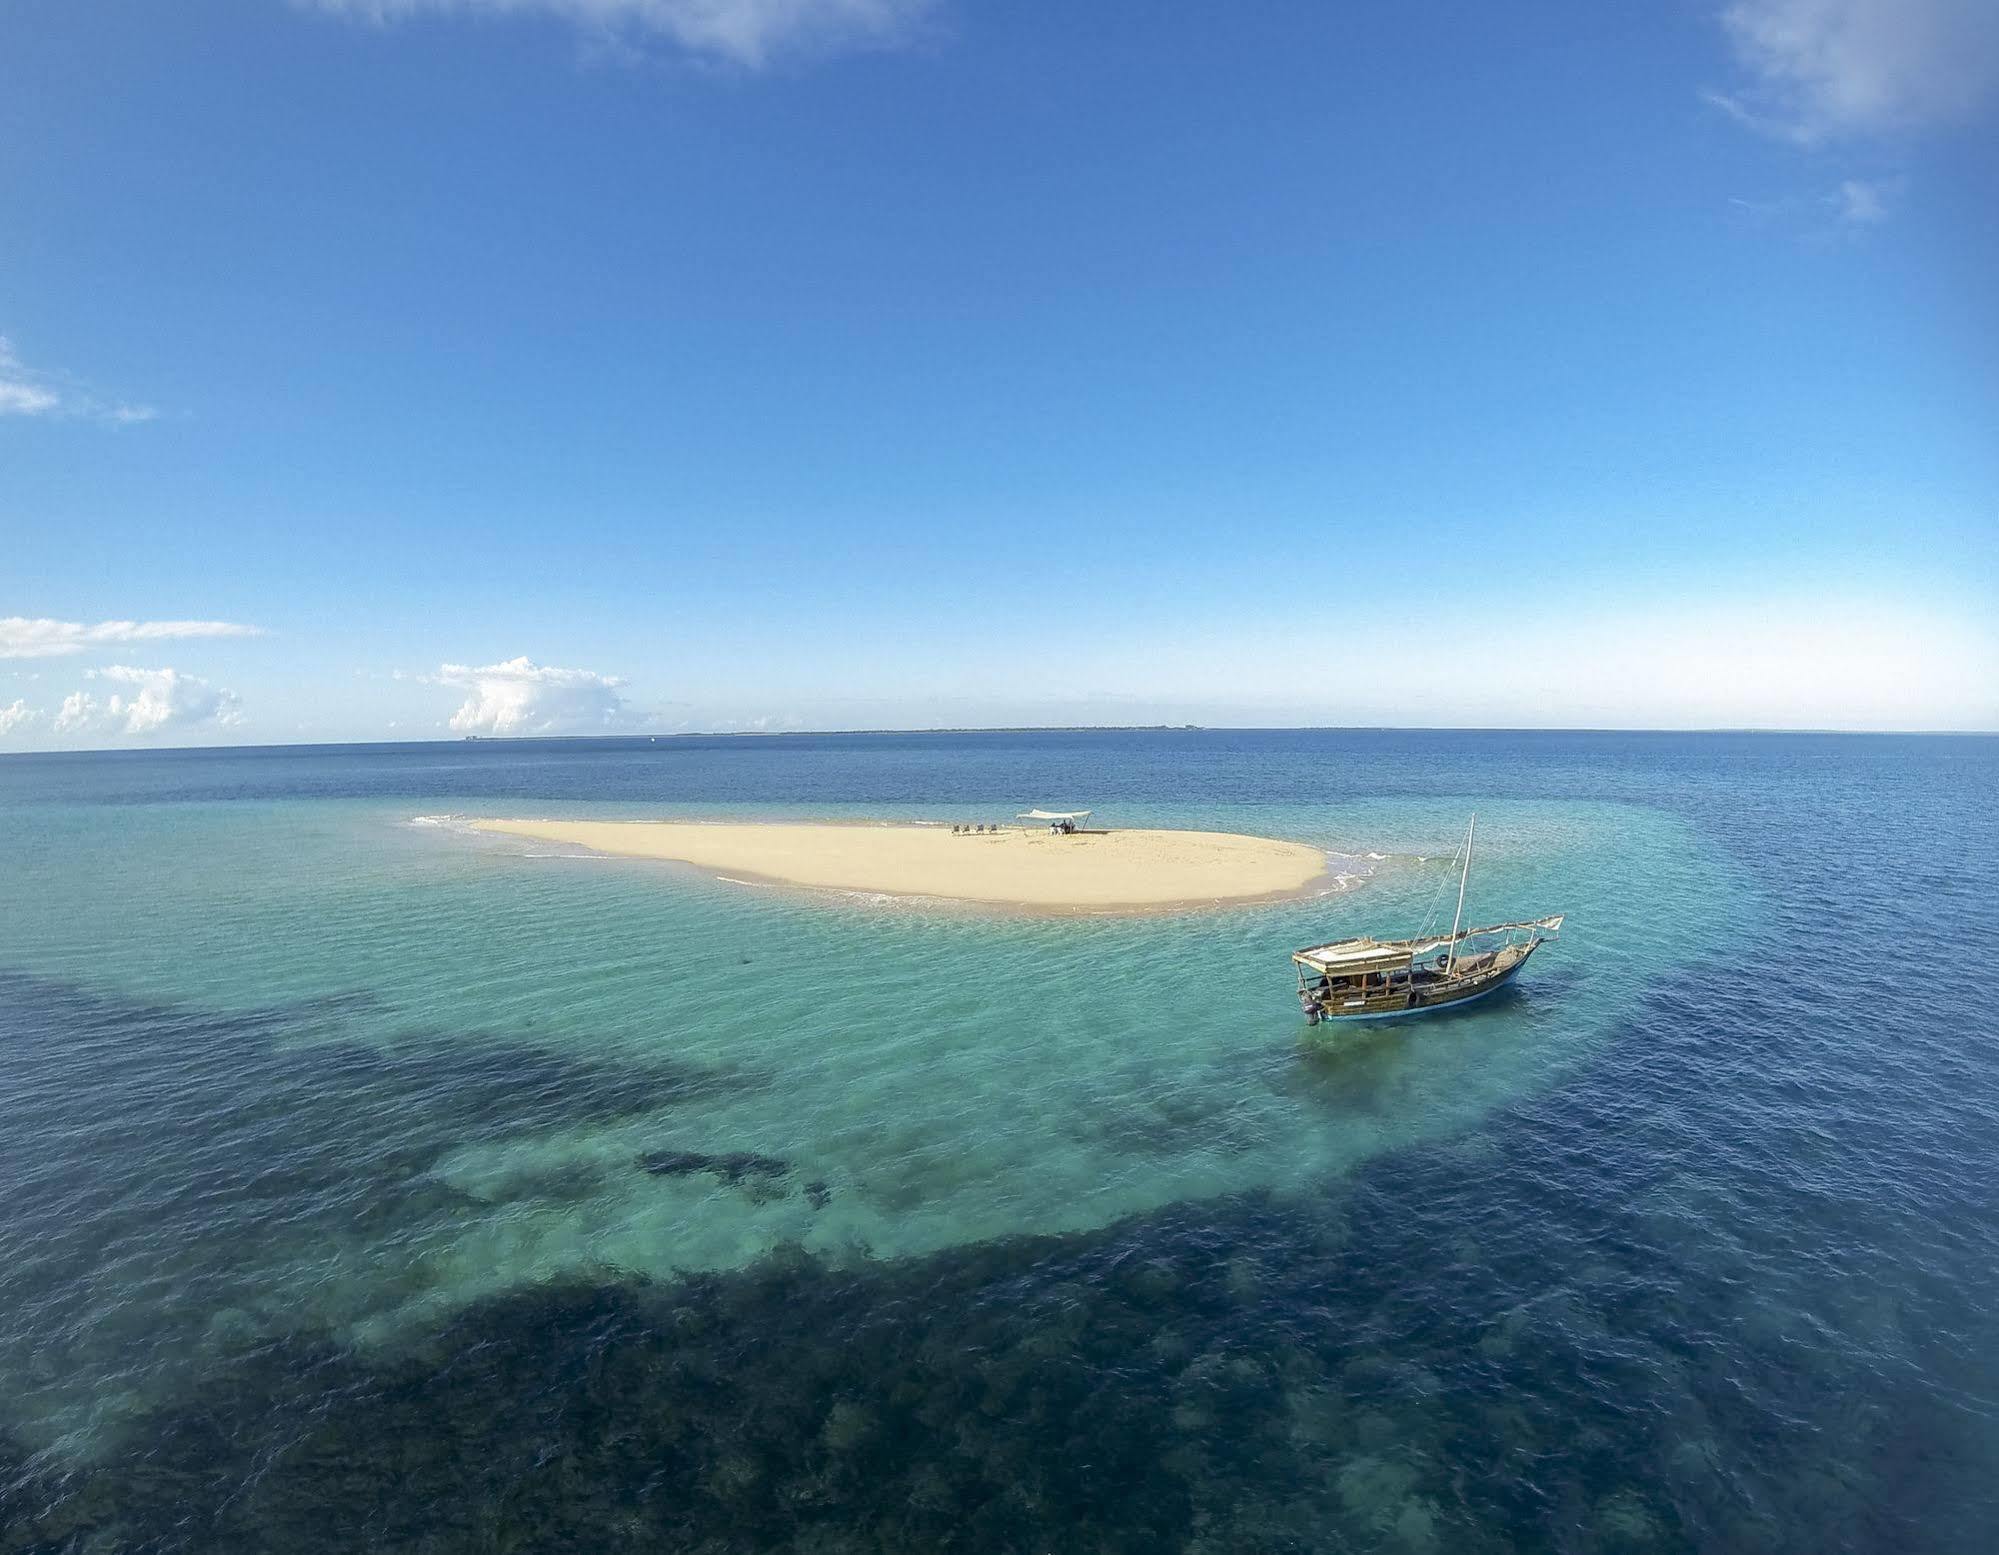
(1033, 868)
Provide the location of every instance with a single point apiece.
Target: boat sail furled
(1375, 979)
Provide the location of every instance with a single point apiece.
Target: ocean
(369, 1183)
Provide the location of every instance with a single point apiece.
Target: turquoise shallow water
(326, 1126)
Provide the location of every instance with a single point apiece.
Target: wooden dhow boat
(1380, 979)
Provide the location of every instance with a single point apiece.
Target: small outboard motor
(1310, 1006)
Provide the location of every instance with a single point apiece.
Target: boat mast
(1451, 962)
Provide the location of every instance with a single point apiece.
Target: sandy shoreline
(1118, 870)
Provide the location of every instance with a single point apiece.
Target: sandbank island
(1018, 867)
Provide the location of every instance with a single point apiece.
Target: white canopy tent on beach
(1068, 820)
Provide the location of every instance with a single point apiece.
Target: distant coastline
(768, 734)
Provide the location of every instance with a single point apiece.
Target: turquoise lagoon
(293, 1057)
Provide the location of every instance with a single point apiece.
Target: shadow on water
(1509, 1343)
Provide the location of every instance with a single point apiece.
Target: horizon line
(1185, 728)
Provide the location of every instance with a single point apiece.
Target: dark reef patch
(731, 1166)
(764, 1178)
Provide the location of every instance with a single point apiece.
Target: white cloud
(522, 697)
(747, 32)
(158, 701)
(20, 396)
(25, 638)
(1861, 203)
(1850, 207)
(17, 716)
(77, 713)
(27, 392)
(1824, 69)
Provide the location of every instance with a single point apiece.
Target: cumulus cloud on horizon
(154, 701)
(518, 696)
(744, 32)
(25, 391)
(22, 637)
(1819, 70)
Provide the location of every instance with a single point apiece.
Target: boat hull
(1400, 1005)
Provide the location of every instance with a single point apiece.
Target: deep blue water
(320, 1228)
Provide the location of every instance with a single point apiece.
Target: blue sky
(380, 370)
